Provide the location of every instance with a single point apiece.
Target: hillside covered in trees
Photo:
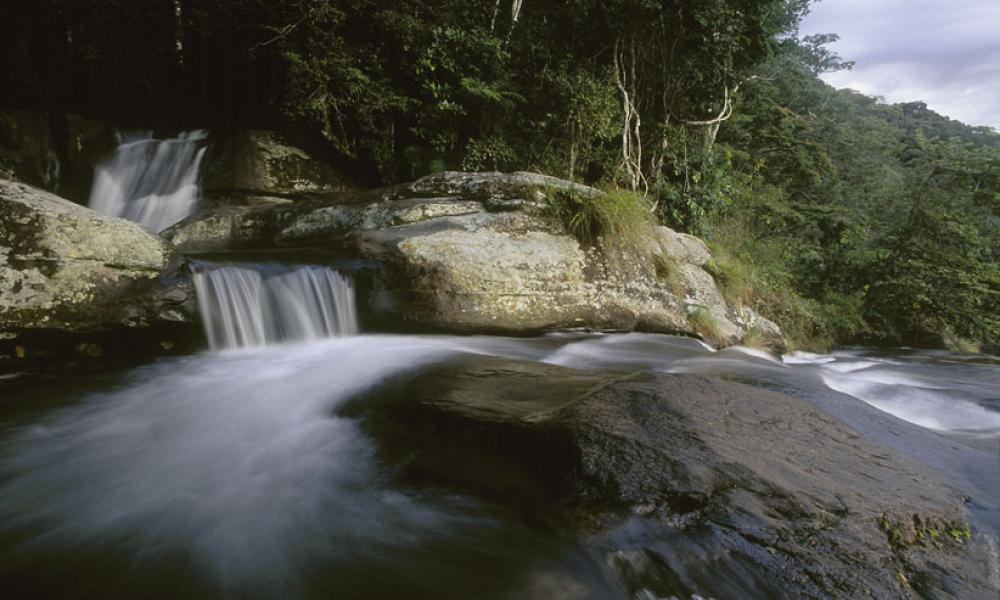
(840, 217)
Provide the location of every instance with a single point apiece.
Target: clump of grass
(731, 277)
(668, 273)
(615, 216)
(956, 343)
(705, 323)
(758, 272)
(756, 338)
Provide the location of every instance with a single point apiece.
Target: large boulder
(483, 252)
(475, 252)
(684, 485)
(66, 267)
(263, 164)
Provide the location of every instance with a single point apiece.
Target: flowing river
(232, 472)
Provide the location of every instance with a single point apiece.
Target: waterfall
(262, 304)
(153, 182)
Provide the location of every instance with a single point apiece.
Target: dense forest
(839, 216)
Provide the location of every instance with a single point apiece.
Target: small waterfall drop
(152, 182)
(258, 305)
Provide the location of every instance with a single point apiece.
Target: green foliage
(938, 275)
(488, 154)
(616, 216)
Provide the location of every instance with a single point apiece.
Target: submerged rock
(66, 267)
(685, 485)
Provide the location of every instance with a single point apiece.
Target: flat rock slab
(684, 484)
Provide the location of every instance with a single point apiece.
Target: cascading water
(245, 306)
(149, 181)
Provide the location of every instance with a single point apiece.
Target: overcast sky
(944, 52)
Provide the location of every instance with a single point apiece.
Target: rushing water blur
(149, 181)
(231, 472)
(264, 303)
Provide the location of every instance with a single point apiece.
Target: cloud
(945, 54)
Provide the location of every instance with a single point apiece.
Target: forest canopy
(841, 217)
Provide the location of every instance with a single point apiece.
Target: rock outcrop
(261, 167)
(685, 485)
(483, 252)
(66, 267)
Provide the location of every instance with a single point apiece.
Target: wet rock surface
(683, 484)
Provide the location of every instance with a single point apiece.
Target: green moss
(916, 530)
(960, 534)
(894, 532)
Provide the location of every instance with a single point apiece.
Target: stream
(230, 471)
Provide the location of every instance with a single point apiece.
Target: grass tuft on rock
(617, 216)
(705, 323)
(755, 337)
(668, 273)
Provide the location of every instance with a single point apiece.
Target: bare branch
(282, 33)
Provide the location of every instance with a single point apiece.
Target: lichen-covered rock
(66, 267)
(498, 261)
(263, 163)
(491, 184)
(682, 247)
(228, 227)
(483, 252)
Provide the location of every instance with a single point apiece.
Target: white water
(238, 458)
(149, 181)
(244, 306)
(241, 460)
(935, 395)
